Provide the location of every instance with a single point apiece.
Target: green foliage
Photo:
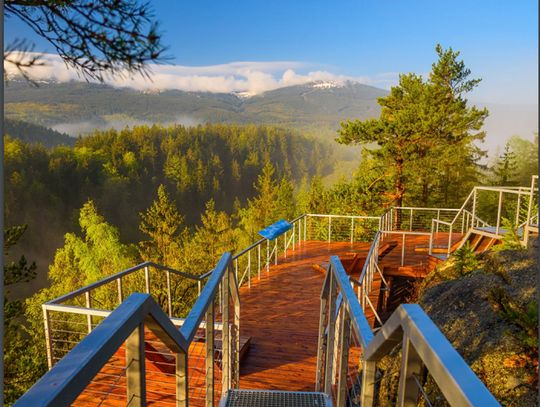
(32, 133)
(214, 236)
(424, 135)
(465, 260)
(162, 223)
(505, 168)
(23, 359)
(16, 272)
(84, 259)
(511, 239)
(526, 153)
(119, 170)
(522, 315)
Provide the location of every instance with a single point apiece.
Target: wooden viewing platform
(279, 322)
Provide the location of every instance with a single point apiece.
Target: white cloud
(245, 77)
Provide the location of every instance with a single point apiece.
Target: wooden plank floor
(281, 315)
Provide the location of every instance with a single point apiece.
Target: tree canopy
(425, 132)
(96, 38)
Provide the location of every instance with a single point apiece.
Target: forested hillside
(120, 172)
(36, 134)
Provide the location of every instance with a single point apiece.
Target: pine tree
(425, 130)
(505, 169)
(162, 223)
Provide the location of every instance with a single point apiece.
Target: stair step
(260, 398)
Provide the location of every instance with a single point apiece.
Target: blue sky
(369, 40)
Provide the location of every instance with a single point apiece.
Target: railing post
(235, 341)
(249, 269)
(411, 223)
(344, 357)
(518, 208)
(199, 286)
(276, 251)
(329, 229)
(431, 237)
(305, 229)
(135, 370)
(236, 268)
(368, 383)
(267, 255)
(403, 249)
(352, 230)
(499, 208)
(285, 245)
(411, 365)
(330, 336)
(449, 239)
(473, 208)
(321, 342)
(210, 355)
(147, 279)
(169, 295)
(225, 335)
(294, 234)
(48, 338)
(88, 305)
(529, 214)
(182, 379)
(259, 261)
(120, 290)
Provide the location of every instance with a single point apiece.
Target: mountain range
(79, 107)
(315, 108)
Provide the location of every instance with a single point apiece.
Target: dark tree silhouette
(96, 37)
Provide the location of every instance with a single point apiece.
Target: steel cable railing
(349, 352)
(137, 354)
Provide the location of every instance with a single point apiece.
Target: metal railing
(84, 372)
(414, 219)
(484, 210)
(67, 319)
(341, 228)
(348, 352)
(263, 253)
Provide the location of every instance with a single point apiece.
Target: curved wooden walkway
(280, 315)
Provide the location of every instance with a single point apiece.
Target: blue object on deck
(275, 230)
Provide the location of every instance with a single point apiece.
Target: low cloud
(242, 77)
(86, 127)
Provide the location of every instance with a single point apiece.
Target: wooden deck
(280, 315)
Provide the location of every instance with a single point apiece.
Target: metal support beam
(225, 336)
(411, 365)
(321, 343)
(499, 208)
(169, 295)
(48, 339)
(181, 380)
(210, 355)
(330, 336)
(120, 290)
(368, 383)
(345, 335)
(135, 368)
(88, 301)
(147, 279)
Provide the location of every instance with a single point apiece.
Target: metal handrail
(72, 374)
(423, 345)
(119, 275)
